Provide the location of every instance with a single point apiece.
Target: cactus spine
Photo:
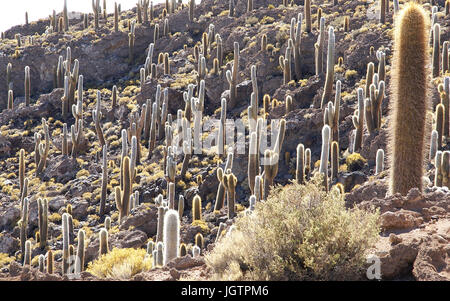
(410, 99)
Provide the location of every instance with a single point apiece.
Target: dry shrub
(120, 263)
(300, 233)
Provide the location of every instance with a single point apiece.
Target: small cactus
(199, 240)
(103, 246)
(196, 208)
(79, 259)
(27, 254)
(379, 167)
(334, 159)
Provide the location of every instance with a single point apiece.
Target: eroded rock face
(143, 218)
(415, 234)
(8, 244)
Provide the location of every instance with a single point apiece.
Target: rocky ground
(414, 242)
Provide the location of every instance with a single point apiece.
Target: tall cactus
(331, 113)
(323, 169)
(436, 49)
(300, 164)
(230, 182)
(307, 9)
(66, 243)
(21, 170)
(410, 99)
(24, 225)
(123, 193)
(253, 163)
(171, 235)
(296, 36)
(79, 259)
(97, 115)
(286, 62)
(96, 10)
(27, 85)
(43, 149)
(328, 88)
(334, 159)
(104, 180)
(358, 121)
(43, 222)
(232, 76)
(131, 38)
(66, 17)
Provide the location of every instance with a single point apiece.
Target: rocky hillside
(98, 112)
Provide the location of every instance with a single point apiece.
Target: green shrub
(299, 233)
